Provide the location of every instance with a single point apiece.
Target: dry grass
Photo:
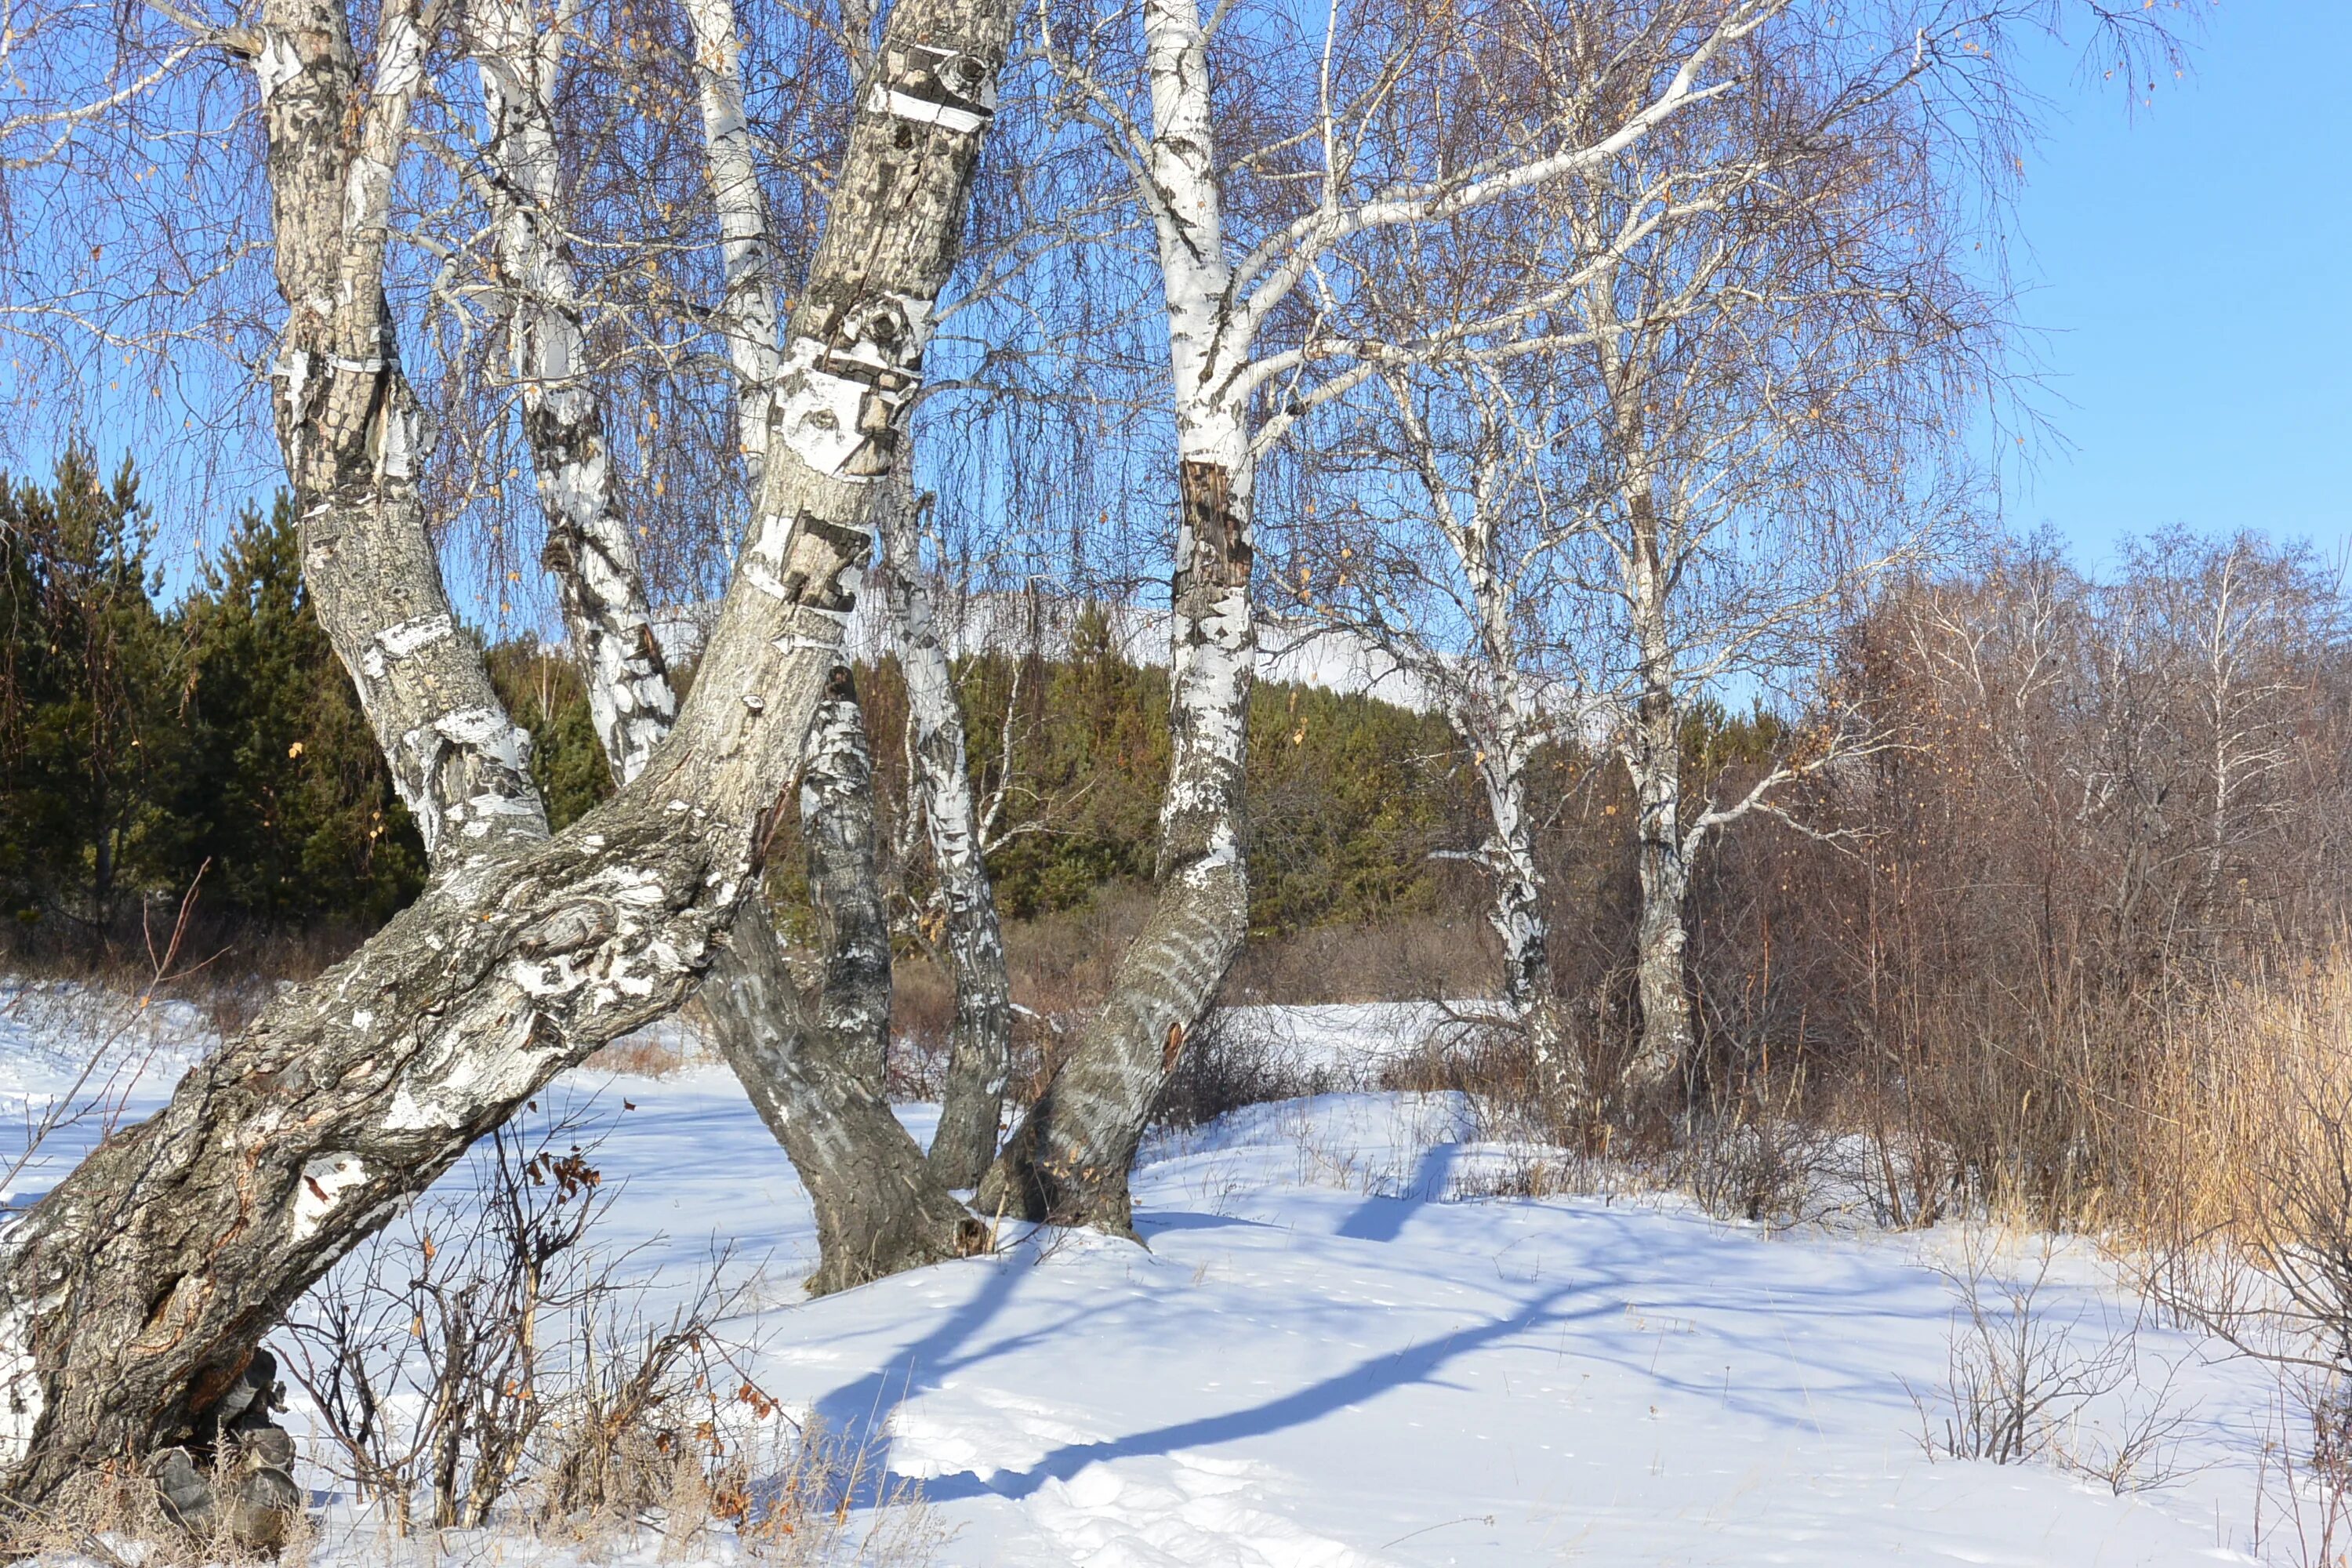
(114, 1516)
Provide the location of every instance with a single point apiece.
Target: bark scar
(1219, 558)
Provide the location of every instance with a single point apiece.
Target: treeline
(211, 741)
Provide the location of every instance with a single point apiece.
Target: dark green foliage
(543, 692)
(284, 790)
(1347, 796)
(140, 745)
(89, 676)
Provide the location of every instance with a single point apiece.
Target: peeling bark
(133, 1295)
(588, 548)
(353, 436)
(980, 1051)
(864, 1173)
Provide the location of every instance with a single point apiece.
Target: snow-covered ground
(1332, 1352)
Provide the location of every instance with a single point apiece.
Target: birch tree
(816, 1079)
(1634, 66)
(858, 998)
(1773, 383)
(1440, 553)
(131, 1297)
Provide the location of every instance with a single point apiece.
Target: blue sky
(2188, 265)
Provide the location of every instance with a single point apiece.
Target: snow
(1333, 1350)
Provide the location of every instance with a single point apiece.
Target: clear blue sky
(2188, 265)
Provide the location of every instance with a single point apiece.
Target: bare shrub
(488, 1365)
(1407, 957)
(2021, 1383)
(652, 1053)
(1751, 1155)
(1232, 1061)
(425, 1363)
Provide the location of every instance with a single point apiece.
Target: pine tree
(90, 749)
(286, 793)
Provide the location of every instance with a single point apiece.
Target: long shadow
(1368, 1378)
(856, 1411)
(1380, 1218)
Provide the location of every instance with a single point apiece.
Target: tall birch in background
(133, 1295)
(816, 1081)
(1769, 386)
(1440, 552)
(1069, 1158)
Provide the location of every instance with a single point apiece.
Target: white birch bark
(588, 549)
(354, 442)
(1068, 1158)
(820, 1092)
(131, 1297)
(980, 1051)
(749, 312)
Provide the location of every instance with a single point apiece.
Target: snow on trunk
(1068, 1160)
(133, 1295)
(979, 1054)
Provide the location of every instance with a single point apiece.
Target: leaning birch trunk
(981, 1050)
(133, 1296)
(1068, 1160)
(976, 1074)
(877, 1212)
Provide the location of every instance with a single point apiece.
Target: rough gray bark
(853, 1017)
(1652, 753)
(353, 440)
(877, 1212)
(133, 1295)
(972, 1110)
(879, 1208)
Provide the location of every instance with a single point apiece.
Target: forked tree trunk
(749, 315)
(879, 1209)
(133, 1295)
(877, 1212)
(1068, 1160)
(979, 1054)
